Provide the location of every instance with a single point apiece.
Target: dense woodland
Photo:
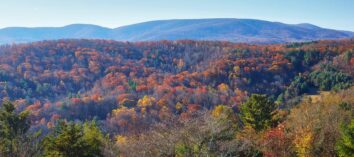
(176, 98)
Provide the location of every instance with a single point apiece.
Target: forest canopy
(114, 97)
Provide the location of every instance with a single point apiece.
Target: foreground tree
(72, 139)
(258, 112)
(345, 146)
(313, 126)
(15, 140)
(205, 134)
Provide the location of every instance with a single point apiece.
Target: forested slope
(133, 88)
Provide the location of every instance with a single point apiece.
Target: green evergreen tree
(132, 85)
(348, 56)
(345, 145)
(258, 112)
(74, 140)
(93, 137)
(13, 127)
(329, 78)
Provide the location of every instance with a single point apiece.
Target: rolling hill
(234, 30)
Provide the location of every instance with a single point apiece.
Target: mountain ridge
(225, 29)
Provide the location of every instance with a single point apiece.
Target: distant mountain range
(234, 30)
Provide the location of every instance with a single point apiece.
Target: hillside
(234, 30)
(197, 74)
(170, 97)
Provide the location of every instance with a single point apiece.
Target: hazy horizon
(113, 27)
(116, 13)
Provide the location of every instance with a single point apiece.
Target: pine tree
(345, 145)
(13, 129)
(258, 112)
(74, 140)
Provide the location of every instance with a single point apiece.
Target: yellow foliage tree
(146, 101)
(218, 110)
(303, 144)
(223, 87)
(120, 140)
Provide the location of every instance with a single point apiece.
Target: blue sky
(337, 14)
